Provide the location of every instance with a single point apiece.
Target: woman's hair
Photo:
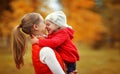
(19, 39)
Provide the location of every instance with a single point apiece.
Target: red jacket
(39, 67)
(61, 41)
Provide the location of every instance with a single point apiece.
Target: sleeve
(47, 56)
(54, 42)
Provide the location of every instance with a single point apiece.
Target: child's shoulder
(67, 29)
(62, 30)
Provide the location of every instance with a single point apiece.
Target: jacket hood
(70, 32)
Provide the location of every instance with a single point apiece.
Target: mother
(45, 60)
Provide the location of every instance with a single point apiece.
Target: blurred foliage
(95, 21)
(110, 10)
(13, 10)
(87, 23)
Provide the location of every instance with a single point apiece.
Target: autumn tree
(13, 10)
(110, 10)
(87, 24)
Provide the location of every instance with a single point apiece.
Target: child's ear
(35, 27)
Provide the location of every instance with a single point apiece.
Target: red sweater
(39, 67)
(61, 41)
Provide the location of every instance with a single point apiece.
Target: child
(60, 38)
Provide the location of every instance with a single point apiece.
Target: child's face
(51, 27)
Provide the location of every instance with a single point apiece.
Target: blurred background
(96, 24)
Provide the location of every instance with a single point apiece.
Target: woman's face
(40, 29)
(51, 27)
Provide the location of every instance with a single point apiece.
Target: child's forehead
(48, 21)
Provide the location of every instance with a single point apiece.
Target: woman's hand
(34, 39)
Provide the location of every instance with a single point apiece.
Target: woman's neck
(38, 34)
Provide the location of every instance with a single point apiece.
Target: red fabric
(61, 42)
(39, 67)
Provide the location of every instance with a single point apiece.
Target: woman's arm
(47, 56)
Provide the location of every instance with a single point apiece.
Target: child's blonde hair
(19, 39)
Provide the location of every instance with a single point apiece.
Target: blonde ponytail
(19, 39)
(18, 46)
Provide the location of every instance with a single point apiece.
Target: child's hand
(34, 39)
